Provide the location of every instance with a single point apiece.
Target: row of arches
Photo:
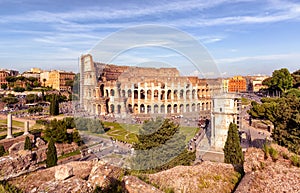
(156, 94)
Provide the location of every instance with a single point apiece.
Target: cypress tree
(54, 105)
(233, 153)
(2, 150)
(27, 145)
(51, 154)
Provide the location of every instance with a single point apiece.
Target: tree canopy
(281, 80)
(284, 113)
(160, 141)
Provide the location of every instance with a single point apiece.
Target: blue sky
(242, 36)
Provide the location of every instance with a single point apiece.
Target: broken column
(26, 128)
(9, 126)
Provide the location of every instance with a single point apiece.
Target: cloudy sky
(242, 36)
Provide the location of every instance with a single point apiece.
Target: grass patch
(77, 152)
(14, 123)
(189, 132)
(295, 160)
(122, 132)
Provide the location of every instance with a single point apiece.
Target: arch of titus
(121, 90)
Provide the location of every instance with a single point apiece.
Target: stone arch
(155, 108)
(119, 109)
(142, 94)
(135, 94)
(162, 95)
(107, 92)
(181, 94)
(198, 107)
(175, 108)
(169, 94)
(169, 108)
(207, 106)
(102, 90)
(162, 108)
(188, 92)
(175, 93)
(112, 108)
(112, 92)
(187, 108)
(203, 107)
(155, 94)
(123, 93)
(129, 93)
(135, 109)
(148, 109)
(149, 94)
(193, 93)
(181, 108)
(199, 93)
(142, 108)
(193, 107)
(130, 110)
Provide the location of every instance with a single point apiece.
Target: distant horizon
(242, 36)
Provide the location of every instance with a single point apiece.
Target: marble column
(9, 126)
(26, 128)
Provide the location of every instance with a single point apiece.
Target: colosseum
(129, 90)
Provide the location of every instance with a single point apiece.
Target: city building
(57, 79)
(237, 84)
(34, 72)
(225, 83)
(3, 75)
(255, 83)
(123, 90)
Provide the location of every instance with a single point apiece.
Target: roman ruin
(128, 90)
(9, 126)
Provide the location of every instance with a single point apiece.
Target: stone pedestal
(9, 126)
(26, 128)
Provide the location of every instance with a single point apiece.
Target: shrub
(295, 160)
(27, 145)
(274, 154)
(2, 150)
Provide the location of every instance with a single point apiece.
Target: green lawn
(14, 123)
(189, 132)
(122, 132)
(128, 132)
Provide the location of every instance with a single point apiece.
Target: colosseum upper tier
(123, 90)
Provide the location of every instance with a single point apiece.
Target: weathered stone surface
(63, 172)
(71, 185)
(265, 175)
(16, 147)
(103, 174)
(13, 165)
(39, 142)
(133, 184)
(207, 177)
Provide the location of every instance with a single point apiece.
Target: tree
(2, 150)
(54, 105)
(51, 154)
(4, 86)
(233, 153)
(27, 145)
(32, 98)
(296, 79)
(281, 80)
(160, 141)
(44, 81)
(284, 114)
(10, 100)
(18, 89)
(57, 131)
